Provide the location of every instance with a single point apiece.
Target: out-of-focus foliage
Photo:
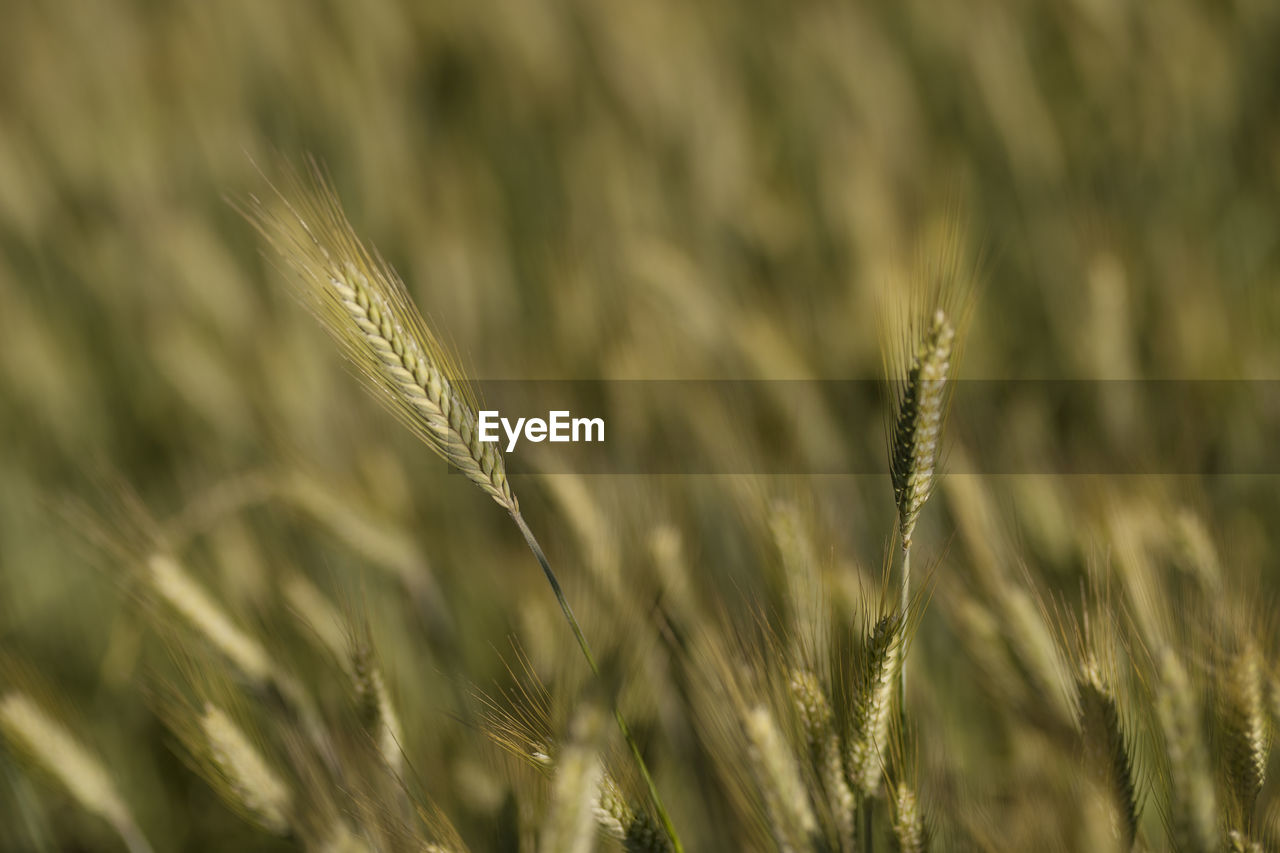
(590, 189)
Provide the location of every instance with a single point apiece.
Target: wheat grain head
(865, 679)
(60, 755)
(364, 306)
(786, 801)
(909, 835)
(1107, 744)
(817, 721)
(1192, 811)
(246, 780)
(917, 427)
(1244, 733)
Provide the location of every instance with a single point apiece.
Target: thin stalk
(595, 670)
(868, 836)
(903, 601)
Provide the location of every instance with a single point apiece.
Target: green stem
(904, 601)
(868, 837)
(595, 670)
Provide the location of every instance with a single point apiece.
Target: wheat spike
(818, 722)
(908, 820)
(246, 778)
(1245, 735)
(1107, 746)
(619, 819)
(786, 801)
(870, 703)
(918, 426)
(571, 824)
(1192, 809)
(48, 743)
(366, 309)
(189, 600)
(377, 713)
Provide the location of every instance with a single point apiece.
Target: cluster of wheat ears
(810, 728)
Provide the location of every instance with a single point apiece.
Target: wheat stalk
(366, 309)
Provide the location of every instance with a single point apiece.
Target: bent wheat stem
(532, 542)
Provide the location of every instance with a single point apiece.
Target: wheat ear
(377, 713)
(818, 723)
(621, 820)
(918, 424)
(571, 823)
(786, 801)
(914, 445)
(869, 704)
(909, 834)
(1192, 811)
(1246, 742)
(365, 307)
(246, 779)
(1107, 745)
(49, 745)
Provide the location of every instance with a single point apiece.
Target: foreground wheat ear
(364, 306)
(918, 426)
(917, 431)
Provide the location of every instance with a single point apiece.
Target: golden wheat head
(918, 425)
(364, 306)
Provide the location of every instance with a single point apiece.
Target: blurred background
(587, 190)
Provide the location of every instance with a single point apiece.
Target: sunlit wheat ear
(619, 818)
(177, 589)
(917, 428)
(1107, 745)
(818, 722)
(52, 748)
(242, 775)
(1192, 810)
(865, 696)
(1245, 738)
(786, 801)
(364, 306)
(909, 834)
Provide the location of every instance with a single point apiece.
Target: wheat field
(936, 350)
